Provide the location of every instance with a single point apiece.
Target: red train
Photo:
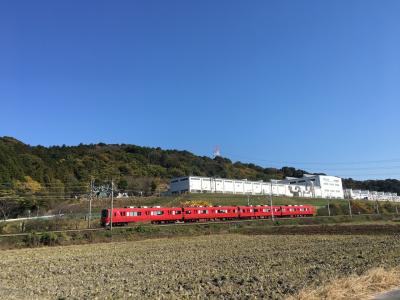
(123, 216)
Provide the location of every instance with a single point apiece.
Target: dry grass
(354, 287)
(202, 267)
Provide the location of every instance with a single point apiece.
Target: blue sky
(310, 84)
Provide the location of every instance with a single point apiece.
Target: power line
(366, 168)
(370, 174)
(317, 163)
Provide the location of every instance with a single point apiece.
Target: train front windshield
(104, 213)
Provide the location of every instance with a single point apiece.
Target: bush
(89, 236)
(140, 229)
(32, 240)
(62, 237)
(49, 238)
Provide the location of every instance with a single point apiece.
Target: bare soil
(204, 267)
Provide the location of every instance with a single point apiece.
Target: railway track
(205, 223)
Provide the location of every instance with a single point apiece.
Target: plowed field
(216, 266)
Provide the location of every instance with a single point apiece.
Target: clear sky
(310, 84)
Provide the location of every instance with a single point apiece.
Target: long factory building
(312, 186)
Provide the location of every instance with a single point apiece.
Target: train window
(222, 211)
(265, 210)
(134, 213)
(188, 212)
(122, 213)
(202, 212)
(256, 210)
(178, 212)
(157, 213)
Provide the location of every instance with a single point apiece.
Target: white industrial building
(315, 186)
(370, 195)
(326, 186)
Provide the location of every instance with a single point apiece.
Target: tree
(122, 184)
(9, 206)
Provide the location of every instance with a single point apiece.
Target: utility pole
(90, 202)
(312, 189)
(350, 212)
(270, 202)
(112, 203)
(329, 208)
(377, 206)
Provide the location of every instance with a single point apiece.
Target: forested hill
(133, 167)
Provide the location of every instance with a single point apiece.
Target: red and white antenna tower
(217, 151)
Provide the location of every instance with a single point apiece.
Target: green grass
(337, 206)
(224, 199)
(214, 199)
(364, 224)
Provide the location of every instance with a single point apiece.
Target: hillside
(44, 175)
(71, 166)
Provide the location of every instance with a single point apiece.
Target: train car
(191, 214)
(258, 211)
(123, 216)
(266, 211)
(246, 212)
(297, 211)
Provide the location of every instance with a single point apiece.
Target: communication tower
(217, 152)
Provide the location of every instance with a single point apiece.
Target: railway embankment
(69, 235)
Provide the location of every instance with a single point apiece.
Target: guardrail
(33, 218)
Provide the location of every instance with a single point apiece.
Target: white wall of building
(323, 186)
(371, 195)
(196, 184)
(312, 186)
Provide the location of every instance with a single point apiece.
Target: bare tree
(8, 206)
